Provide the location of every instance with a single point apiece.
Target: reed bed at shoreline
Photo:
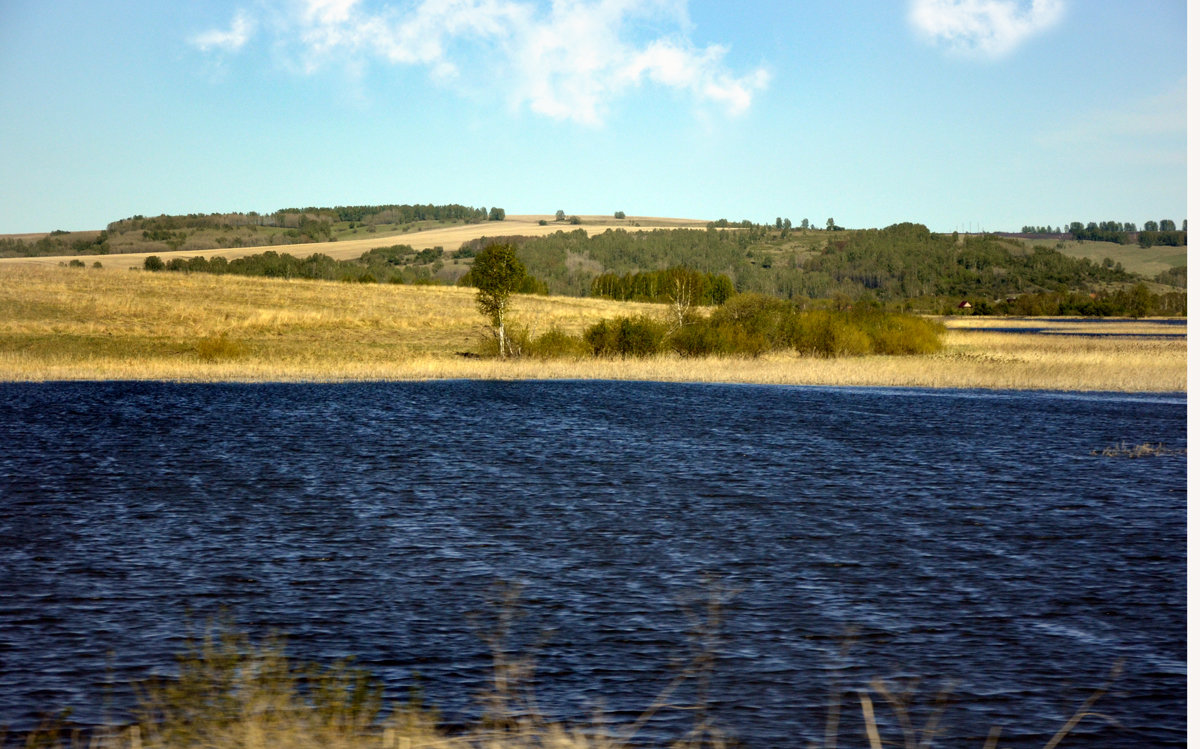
(106, 324)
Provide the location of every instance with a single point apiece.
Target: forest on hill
(210, 231)
(904, 266)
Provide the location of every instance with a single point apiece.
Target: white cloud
(569, 61)
(988, 28)
(230, 41)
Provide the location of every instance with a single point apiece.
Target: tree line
(673, 285)
(1151, 234)
(292, 218)
(56, 243)
(395, 264)
(206, 231)
(1132, 301)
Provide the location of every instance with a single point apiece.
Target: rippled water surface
(970, 538)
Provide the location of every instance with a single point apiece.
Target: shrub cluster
(626, 336)
(746, 325)
(753, 324)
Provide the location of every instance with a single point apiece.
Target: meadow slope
(449, 237)
(61, 323)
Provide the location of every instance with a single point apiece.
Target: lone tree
(497, 273)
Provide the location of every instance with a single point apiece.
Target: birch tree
(497, 273)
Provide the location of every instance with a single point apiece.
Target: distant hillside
(900, 262)
(199, 232)
(904, 263)
(1145, 261)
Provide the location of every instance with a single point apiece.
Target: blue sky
(959, 114)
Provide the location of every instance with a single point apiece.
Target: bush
(154, 262)
(699, 338)
(708, 338)
(626, 336)
(556, 343)
(753, 324)
(827, 334)
(903, 334)
(757, 316)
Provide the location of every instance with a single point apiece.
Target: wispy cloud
(230, 40)
(1148, 129)
(569, 60)
(987, 28)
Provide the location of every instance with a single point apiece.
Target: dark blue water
(970, 538)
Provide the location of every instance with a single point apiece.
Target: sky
(959, 114)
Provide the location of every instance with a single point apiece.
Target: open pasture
(1148, 261)
(106, 324)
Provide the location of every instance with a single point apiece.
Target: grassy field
(59, 323)
(1148, 261)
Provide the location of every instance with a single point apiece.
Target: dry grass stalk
(1085, 709)
(231, 692)
(868, 710)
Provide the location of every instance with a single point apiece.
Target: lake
(968, 539)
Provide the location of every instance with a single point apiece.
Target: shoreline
(955, 371)
(717, 383)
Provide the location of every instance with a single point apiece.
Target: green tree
(1141, 301)
(496, 214)
(497, 273)
(619, 215)
(560, 215)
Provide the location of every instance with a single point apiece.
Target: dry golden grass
(102, 324)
